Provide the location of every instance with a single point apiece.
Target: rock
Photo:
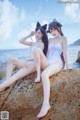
(77, 42)
(78, 59)
(2, 74)
(24, 99)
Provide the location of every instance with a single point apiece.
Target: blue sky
(19, 17)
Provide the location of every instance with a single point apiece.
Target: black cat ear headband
(54, 24)
(38, 25)
(58, 24)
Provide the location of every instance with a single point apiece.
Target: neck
(39, 40)
(58, 35)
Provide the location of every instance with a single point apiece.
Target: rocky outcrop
(78, 58)
(77, 42)
(2, 74)
(24, 99)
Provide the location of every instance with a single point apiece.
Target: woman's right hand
(23, 40)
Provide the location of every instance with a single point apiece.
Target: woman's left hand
(71, 68)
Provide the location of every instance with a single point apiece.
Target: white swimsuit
(54, 52)
(33, 47)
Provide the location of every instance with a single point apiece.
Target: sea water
(24, 53)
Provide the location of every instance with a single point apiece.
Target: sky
(19, 17)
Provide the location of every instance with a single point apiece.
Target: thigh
(44, 63)
(18, 63)
(26, 70)
(31, 67)
(53, 69)
(44, 60)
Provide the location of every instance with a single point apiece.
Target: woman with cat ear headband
(29, 66)
(57, 60)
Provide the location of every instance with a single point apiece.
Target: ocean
(23, 54)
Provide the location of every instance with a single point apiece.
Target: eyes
(38, 32)
(52, 29)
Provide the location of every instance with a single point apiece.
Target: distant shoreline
(75, 43)
(14, 49)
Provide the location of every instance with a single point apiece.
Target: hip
(55, 61)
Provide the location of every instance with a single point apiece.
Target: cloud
(25, 32)
(37, 13)
(22, 15)
(10, 17)
(72, 11)
(45, 22)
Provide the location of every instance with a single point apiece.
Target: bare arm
(64, 44)
(23, 40)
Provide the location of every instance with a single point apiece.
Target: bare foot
(44, 111)
(37, 80)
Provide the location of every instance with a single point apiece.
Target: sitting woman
(56, 61)
(28, 66)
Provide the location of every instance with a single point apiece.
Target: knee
(44, 75)
(11, 60)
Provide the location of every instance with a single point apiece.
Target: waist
(54, 57)
(54, 61)
(30, 57)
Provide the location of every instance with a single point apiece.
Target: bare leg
(9, 69)
(50, 70)
(40, 61)
(21, 73)
(12, 63)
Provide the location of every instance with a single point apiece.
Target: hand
(68, 68)
(71, 69)
(32, 33)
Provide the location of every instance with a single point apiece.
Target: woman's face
(38, 35)
(54, 32)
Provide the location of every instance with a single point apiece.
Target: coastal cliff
(24, 98)
(77, 42)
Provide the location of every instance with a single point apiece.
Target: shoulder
(64, 39)
(41, 44)
(64, 42)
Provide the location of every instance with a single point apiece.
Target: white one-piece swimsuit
(54, 52)
(33, 47)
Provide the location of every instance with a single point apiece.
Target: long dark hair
(56, 25)
(44, 37)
